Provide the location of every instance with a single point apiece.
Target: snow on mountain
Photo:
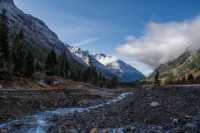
(124, 71)
(109, 65)
(83, 57)
(41, 39)
(109, 61)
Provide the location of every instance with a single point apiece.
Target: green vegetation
(113, 82)
(51, 64)
(29, 64)
(19, 54)
(195, 62)
(20, 60)
(4, 44)
(156, 78)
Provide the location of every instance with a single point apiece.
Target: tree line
(61, 66)
(171, 79)
(19, 60)
(186, 79)
(15, 59)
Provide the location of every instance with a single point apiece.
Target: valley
(161, 109)
(48, 85)
(23, 97)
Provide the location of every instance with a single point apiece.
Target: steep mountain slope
(186, 64)
(37, 34)
(108, 65)
(125, 72)
(41, 39)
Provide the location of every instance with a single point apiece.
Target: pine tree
(51, 65)
(190, 78)
(114, 82)
(156, 78)
(183, 80)
(19, 54)
(38, 66)
(92, 71)
(104, 81)
(66, 68)
(29, 64)
(101, 79)
(4, 42)
(63, 67)
(85, 75)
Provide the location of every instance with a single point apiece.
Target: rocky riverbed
(161, 110)
(42, 122)
(170, 109)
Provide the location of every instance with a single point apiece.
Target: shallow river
(40, 122)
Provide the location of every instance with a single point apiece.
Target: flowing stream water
(40, 122)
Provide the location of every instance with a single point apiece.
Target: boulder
(154, 104)
(4, 131)
(94, 130)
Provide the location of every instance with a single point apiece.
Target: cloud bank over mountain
(162, 42)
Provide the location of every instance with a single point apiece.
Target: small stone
(106, 131)
(4, 131)
(94, 130)
(1, 86)
(132, 128)
(191, 127)
(175, 120)
(73, 131)
(154, 104)
(42, 83)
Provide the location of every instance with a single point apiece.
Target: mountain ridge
(179, 69)
(124, 71)
(36, 32)
(41, 40)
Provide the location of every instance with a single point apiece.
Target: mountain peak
(101, 55)
(7, 1)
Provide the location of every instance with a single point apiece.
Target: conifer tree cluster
(18, 60)
(15, 59)
(4, 42)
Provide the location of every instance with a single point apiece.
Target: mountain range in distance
(41, 39)
(108, 65)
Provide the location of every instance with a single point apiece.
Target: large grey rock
(154, 104)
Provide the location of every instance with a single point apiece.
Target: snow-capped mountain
(83, 57)
(108, 65)
(124, 71)
(41, 39)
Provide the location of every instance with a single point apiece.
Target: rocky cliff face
(37, 34)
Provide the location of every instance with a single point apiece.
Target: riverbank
(42, 122)
(167, 109)
(24, 97)
(159, 110)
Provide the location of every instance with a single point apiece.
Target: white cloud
(163, 42)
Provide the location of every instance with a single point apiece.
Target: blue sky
(101, 26)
